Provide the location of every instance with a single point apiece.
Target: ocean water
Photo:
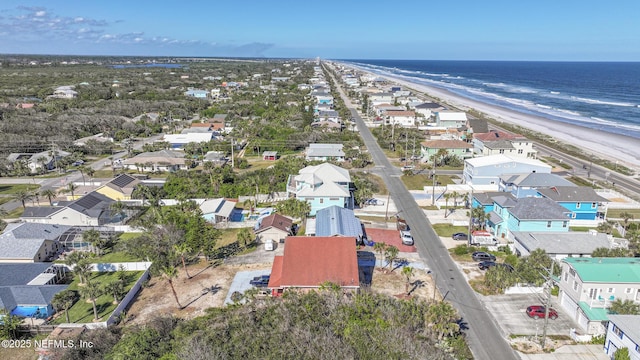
(598, 95)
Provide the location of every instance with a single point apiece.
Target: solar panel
(123, 180)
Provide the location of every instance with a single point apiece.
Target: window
(594, 205)
(520, 151)
(564, 224)
(501, 151)
(627, 290)
(575, 285)
(566, 276)
(572, 272)
(611, 290)
(334, 199)
(548, 224)
(578, 205)
(573, 215)
(616, 330)
(321, 200)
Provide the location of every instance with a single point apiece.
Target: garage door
(582, 320)
(568, 305)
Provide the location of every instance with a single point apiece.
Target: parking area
(241, 283)
(509, 311)
(389, 237)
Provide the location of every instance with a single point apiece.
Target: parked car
(482, 256)
(484, 265)
(260, 281)
(77, 163)
(401, 224)
(406, 237)
(460, 236)
(537, 312)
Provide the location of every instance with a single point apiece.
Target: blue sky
(434, 30)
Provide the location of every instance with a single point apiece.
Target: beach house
(498, 142)
(29, 242)
(324, 152)
(585, 206)
(623, 332)
(455, 148)
(527, 184)
(588, 286)
(161, 160)
(559, 245)
(451, 119)
(402, 118)
(322, 186)
(335, 221)
(487, 170)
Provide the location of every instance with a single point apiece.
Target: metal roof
(606, 270)
(336, 220)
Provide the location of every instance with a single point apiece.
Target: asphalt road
(484, 337)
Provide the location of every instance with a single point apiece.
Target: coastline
(613, 147)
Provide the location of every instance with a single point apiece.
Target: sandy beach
(609, 146)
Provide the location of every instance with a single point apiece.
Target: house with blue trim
(582, 201)
(487, 170)
(322, 186)
(623, 332)
(531, 214)
(588, 287)
(527, 184)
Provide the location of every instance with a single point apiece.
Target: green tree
(92, 292)
(93, 237)
(624, 307)
(9, 325)
(391, 254)
(83, 270)
(116, 289)
(479, 218)
(170, 273)
(23, 196)
(71, 188)
(407, 271)
(626, 216)
(64, 300)
(622, 354)
(442, 318)
(245, 236)
(380, 248)
(183, 249)
(50, 194)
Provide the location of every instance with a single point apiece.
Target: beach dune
(613, 147)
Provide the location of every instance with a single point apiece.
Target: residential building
(588, 286)
(162, 160)
(217, 210)
(487, 170)
(309, 262)
(274, 227)
(623, 332)
(336, 221)
(559, 245)
(197, 93)
(498, 142)
(451, 119)
(322, 186)
(29, 242)
(458, 148)
(324, 152)
(581, 201)
(36, 162)
(178, 141)
(402, 118)
(428, 108)
(527, 214)
(527, 184)
(270, 155)
(120, 188)
(93, 209)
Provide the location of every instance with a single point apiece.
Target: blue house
(26, 290)
(526, 214)
(196, 93)
(322, 186)
(527, 184)
(581, 201)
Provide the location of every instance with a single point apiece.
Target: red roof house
(309, 261)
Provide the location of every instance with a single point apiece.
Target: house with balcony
(585, 206)
(402, 118)
(324, 152)
(451, 119)
(458, 148)
(498, 142)
(322, 186)
(527, 184)
(588, 287)
(487, 170)
(623, 332)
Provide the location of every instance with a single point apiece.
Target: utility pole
(386, 213)
(232, 159)
(470, 217)
(433, 194)
(547, 305)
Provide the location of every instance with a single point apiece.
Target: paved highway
(484, 336)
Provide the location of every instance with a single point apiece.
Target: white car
(406, 237)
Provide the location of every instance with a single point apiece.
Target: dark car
(484, 265)
(537, 312)
(459, 236)
(260, 281)
(482, 256)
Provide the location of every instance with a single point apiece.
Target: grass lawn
(115, 257)
(15, 213)
(14, 188)
(446, 230)
(415, 182)
(228, 236)
(82, 311)
(4, 200)
(615, 213)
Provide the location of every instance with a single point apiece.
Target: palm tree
(407, 271)
(50, 194)
(90, 171)
(170, 273)
(624, 307)
(115, 288)
(391, 254)
(380, 248)
(183, 249)
(23, 196)
(71, 188)
(64, 300)
(82, 169)
(479, 217)
(446, 196)
(626, 216)
(244, 236)
(83, 269)
(93, 237)
(42, 160)
(442, 318)
(91, 292)
(117, 208)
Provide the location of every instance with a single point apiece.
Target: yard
(82, 310)
(12, 189)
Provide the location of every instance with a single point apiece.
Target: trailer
(480, 238)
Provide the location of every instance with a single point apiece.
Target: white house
(623, 331)
(451, 119)
(402, 118)
(487, 170)
(324, 152)
(178, 141)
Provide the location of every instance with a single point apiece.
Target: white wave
(555, 92)
(569, 112)
(544, 106)
(601, 102)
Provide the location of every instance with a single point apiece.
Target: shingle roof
(428, 105)
(40, 211)
(478, 125)
(562, 242)
(533, 208)
(336, 220)
(500, 144)
(571, 194)
(608, 270)
(275, 221)
(30, 295)
(320, 150)
(401, 113)
(310, 261)
(629, 325)
(13, 274)
(24, 240)
(535, 180)
(486, 198)
(93, 204)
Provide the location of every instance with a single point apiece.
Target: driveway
(509, 311)
(241, 284)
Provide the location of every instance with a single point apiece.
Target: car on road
(408, 168)
(460, 236)
(537, 312)
(484, 265)
(406, 237)
(482, 256)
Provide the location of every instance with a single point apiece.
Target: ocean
(599, 95)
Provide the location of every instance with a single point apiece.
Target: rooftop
(609, 270)
(533, 208)
(562, 242)
(336, 220)
(628, 324)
